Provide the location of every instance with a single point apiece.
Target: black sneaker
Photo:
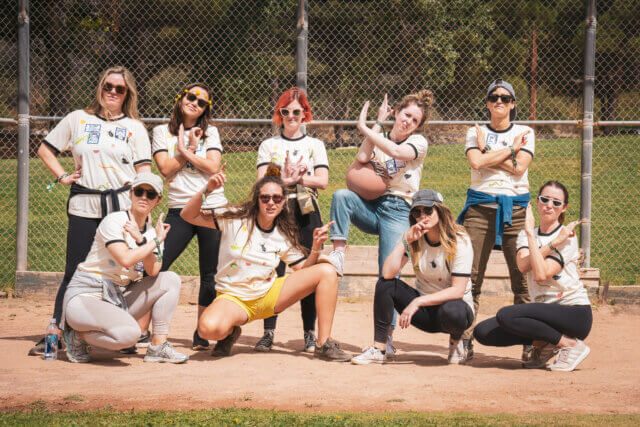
(266, 342)
(143, 341)
(468, 345)
(309, 341)
(223, 347)
(38, 349)
(527, 353)
(331, 351)
(199, 344)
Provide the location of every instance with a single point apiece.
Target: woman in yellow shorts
(256, 236)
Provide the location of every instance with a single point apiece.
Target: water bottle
(51, 341)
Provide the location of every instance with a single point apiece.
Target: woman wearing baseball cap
(499, 155)
(96, 310)
(441, 254)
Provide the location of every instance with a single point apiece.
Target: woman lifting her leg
(187, 151)
(96, 309)
(256, 236)
(560, 317)
(441, 254)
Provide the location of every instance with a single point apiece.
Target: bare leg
(217, 320)
(322, 279)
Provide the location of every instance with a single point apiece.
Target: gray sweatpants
(108, 326)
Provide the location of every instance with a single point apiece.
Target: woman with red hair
(305, 169)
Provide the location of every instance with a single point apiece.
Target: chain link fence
(246, 52)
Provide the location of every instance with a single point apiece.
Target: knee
(340, 196)
(328, 272)
(384, 285)
(504, 316)
(481, 332)
(211, 329)
(127, 336)
(170, 280)
(455, 315)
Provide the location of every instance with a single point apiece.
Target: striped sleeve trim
(415, 150)
(114, 241)
(160, 151)
(262, 164)
(556, 259)
(527, 151)
(471, 148)
(139, 162)
(214, 148)
(53, 147)
(461, 274)
(321, 166)
(522, 247)
(297, 262)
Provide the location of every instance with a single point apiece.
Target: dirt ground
(608, 381)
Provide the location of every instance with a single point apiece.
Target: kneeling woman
(256, 236)
(441, 254)
(125, 246)
(560, 318)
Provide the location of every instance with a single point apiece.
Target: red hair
(290, 95)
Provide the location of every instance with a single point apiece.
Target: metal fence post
(302, 28)
(23, 135)
(587, 130)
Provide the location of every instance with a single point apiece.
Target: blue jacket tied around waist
(505, 208)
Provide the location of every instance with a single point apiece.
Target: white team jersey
(405, 174)
(310, 149)
(188, 180)
(100, 262)
(565, 287)
(494, 180)
(437, 269)
(247, 268)
(107, 151)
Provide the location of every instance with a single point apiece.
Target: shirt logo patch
(94, 138)
(92, 127)
(391, 166)
(121, 134)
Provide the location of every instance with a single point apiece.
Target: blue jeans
(386, 216)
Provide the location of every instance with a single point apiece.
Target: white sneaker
(457, 352)
(390, 352)
(570, 357)
(369, 355)
(336, 258)
(540, 356)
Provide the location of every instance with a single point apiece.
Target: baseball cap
(505, 85)
(427, 197)
(148, 178)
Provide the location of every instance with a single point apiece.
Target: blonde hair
(448, 230)
(130, 105)
(422, 99)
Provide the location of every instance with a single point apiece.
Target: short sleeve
(264, 153)
(60, 136)
(159, 139)
(292, 256)
(420, 145)
(530, 141)
(471, 139)
(111, 229)
(521, 241)
(319, 155)
(140, 144)
(463, 260)
(212, 142)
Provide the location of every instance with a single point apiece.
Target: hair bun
(426, 97)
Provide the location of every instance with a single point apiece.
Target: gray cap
(426, 197)
(505, 85)
(148, 178)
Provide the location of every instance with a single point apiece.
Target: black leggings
(451, 317)
(80, 234)
(306, 225)
(179, 236)
(524, 323)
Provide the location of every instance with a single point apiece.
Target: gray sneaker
(527, 352)
(540, 356)
(390, 351)
(266, 342)
(570, 357)
(370, 354)
(223, 347)
(331, 351)
(309, 341)
(164, 353)
(336, 258)
(468, 346)
(77, 350)
(457, 353)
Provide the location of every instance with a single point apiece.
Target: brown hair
(448, 230)
(177, 117)
(249, 210)
(130, 104)
(560, 186)
(422, 99)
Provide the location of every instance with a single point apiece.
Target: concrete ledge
(620, 294)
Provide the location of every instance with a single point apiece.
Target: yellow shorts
(261, 308)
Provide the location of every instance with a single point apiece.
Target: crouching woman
(96, 309)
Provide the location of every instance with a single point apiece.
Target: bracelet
(315, 251)
(553, 249)
(513, 157)
(144, 240)
(406, 246)
(58, 179)
(379, 123)
(204, 194)
(159, 249)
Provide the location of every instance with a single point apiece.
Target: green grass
(615, 200)
(256, 417)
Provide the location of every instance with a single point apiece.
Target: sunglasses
(265, 198)
(419, 211)
(202, 103)
(151, 194)
(108, 87)
(544, 200)
(506, 99)
(285, 113)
